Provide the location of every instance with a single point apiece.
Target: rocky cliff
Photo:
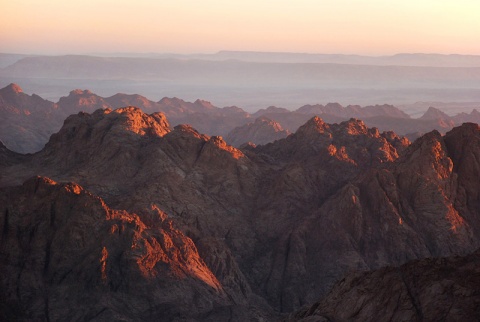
(65, 255)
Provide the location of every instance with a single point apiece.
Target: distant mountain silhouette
(253, 80)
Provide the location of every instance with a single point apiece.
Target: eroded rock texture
(269, 228)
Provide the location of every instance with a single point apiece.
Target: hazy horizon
(246, 53)
(220, 51)
(371, 27)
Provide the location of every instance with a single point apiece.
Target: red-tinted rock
(66, 256)
(278, 223)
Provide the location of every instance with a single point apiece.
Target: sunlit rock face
(27, 121)
(76, 258)
(257, 231)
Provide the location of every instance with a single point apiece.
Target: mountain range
(253, 80)
(121, 216)
(27, 121)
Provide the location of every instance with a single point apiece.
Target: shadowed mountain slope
(429, 289)
(75, 258)
(278, 224)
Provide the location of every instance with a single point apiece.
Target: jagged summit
(314, 126)
(351, 142)
(354, 127)
(103, 135)
(107, 121)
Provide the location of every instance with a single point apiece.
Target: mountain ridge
(376, 199)
(28, 121)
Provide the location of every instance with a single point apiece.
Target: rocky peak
(77, 92)
(121, 100)
(188, 130)
(175, 107)
(463, 143)
(206, 105)
(400, 143)
(171, 101)
(81, 100)
(233, 110)
(384, 109)
(464, 131)
(313, 127)
(270, 110)
(428, 156)
(434, 114)
(265, 120)
(354, 127)
(311, 109)
(14, 97)
(11, 89)
(473, 117)
(133, 119)
(334, 106)
(262, 131)
(103, 135)
(220, 143)
(348, 142)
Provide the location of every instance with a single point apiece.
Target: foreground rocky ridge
(277, 224)
(65, 255)
(29, 120)
(439, 289)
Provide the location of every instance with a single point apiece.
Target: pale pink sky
(371, 27)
